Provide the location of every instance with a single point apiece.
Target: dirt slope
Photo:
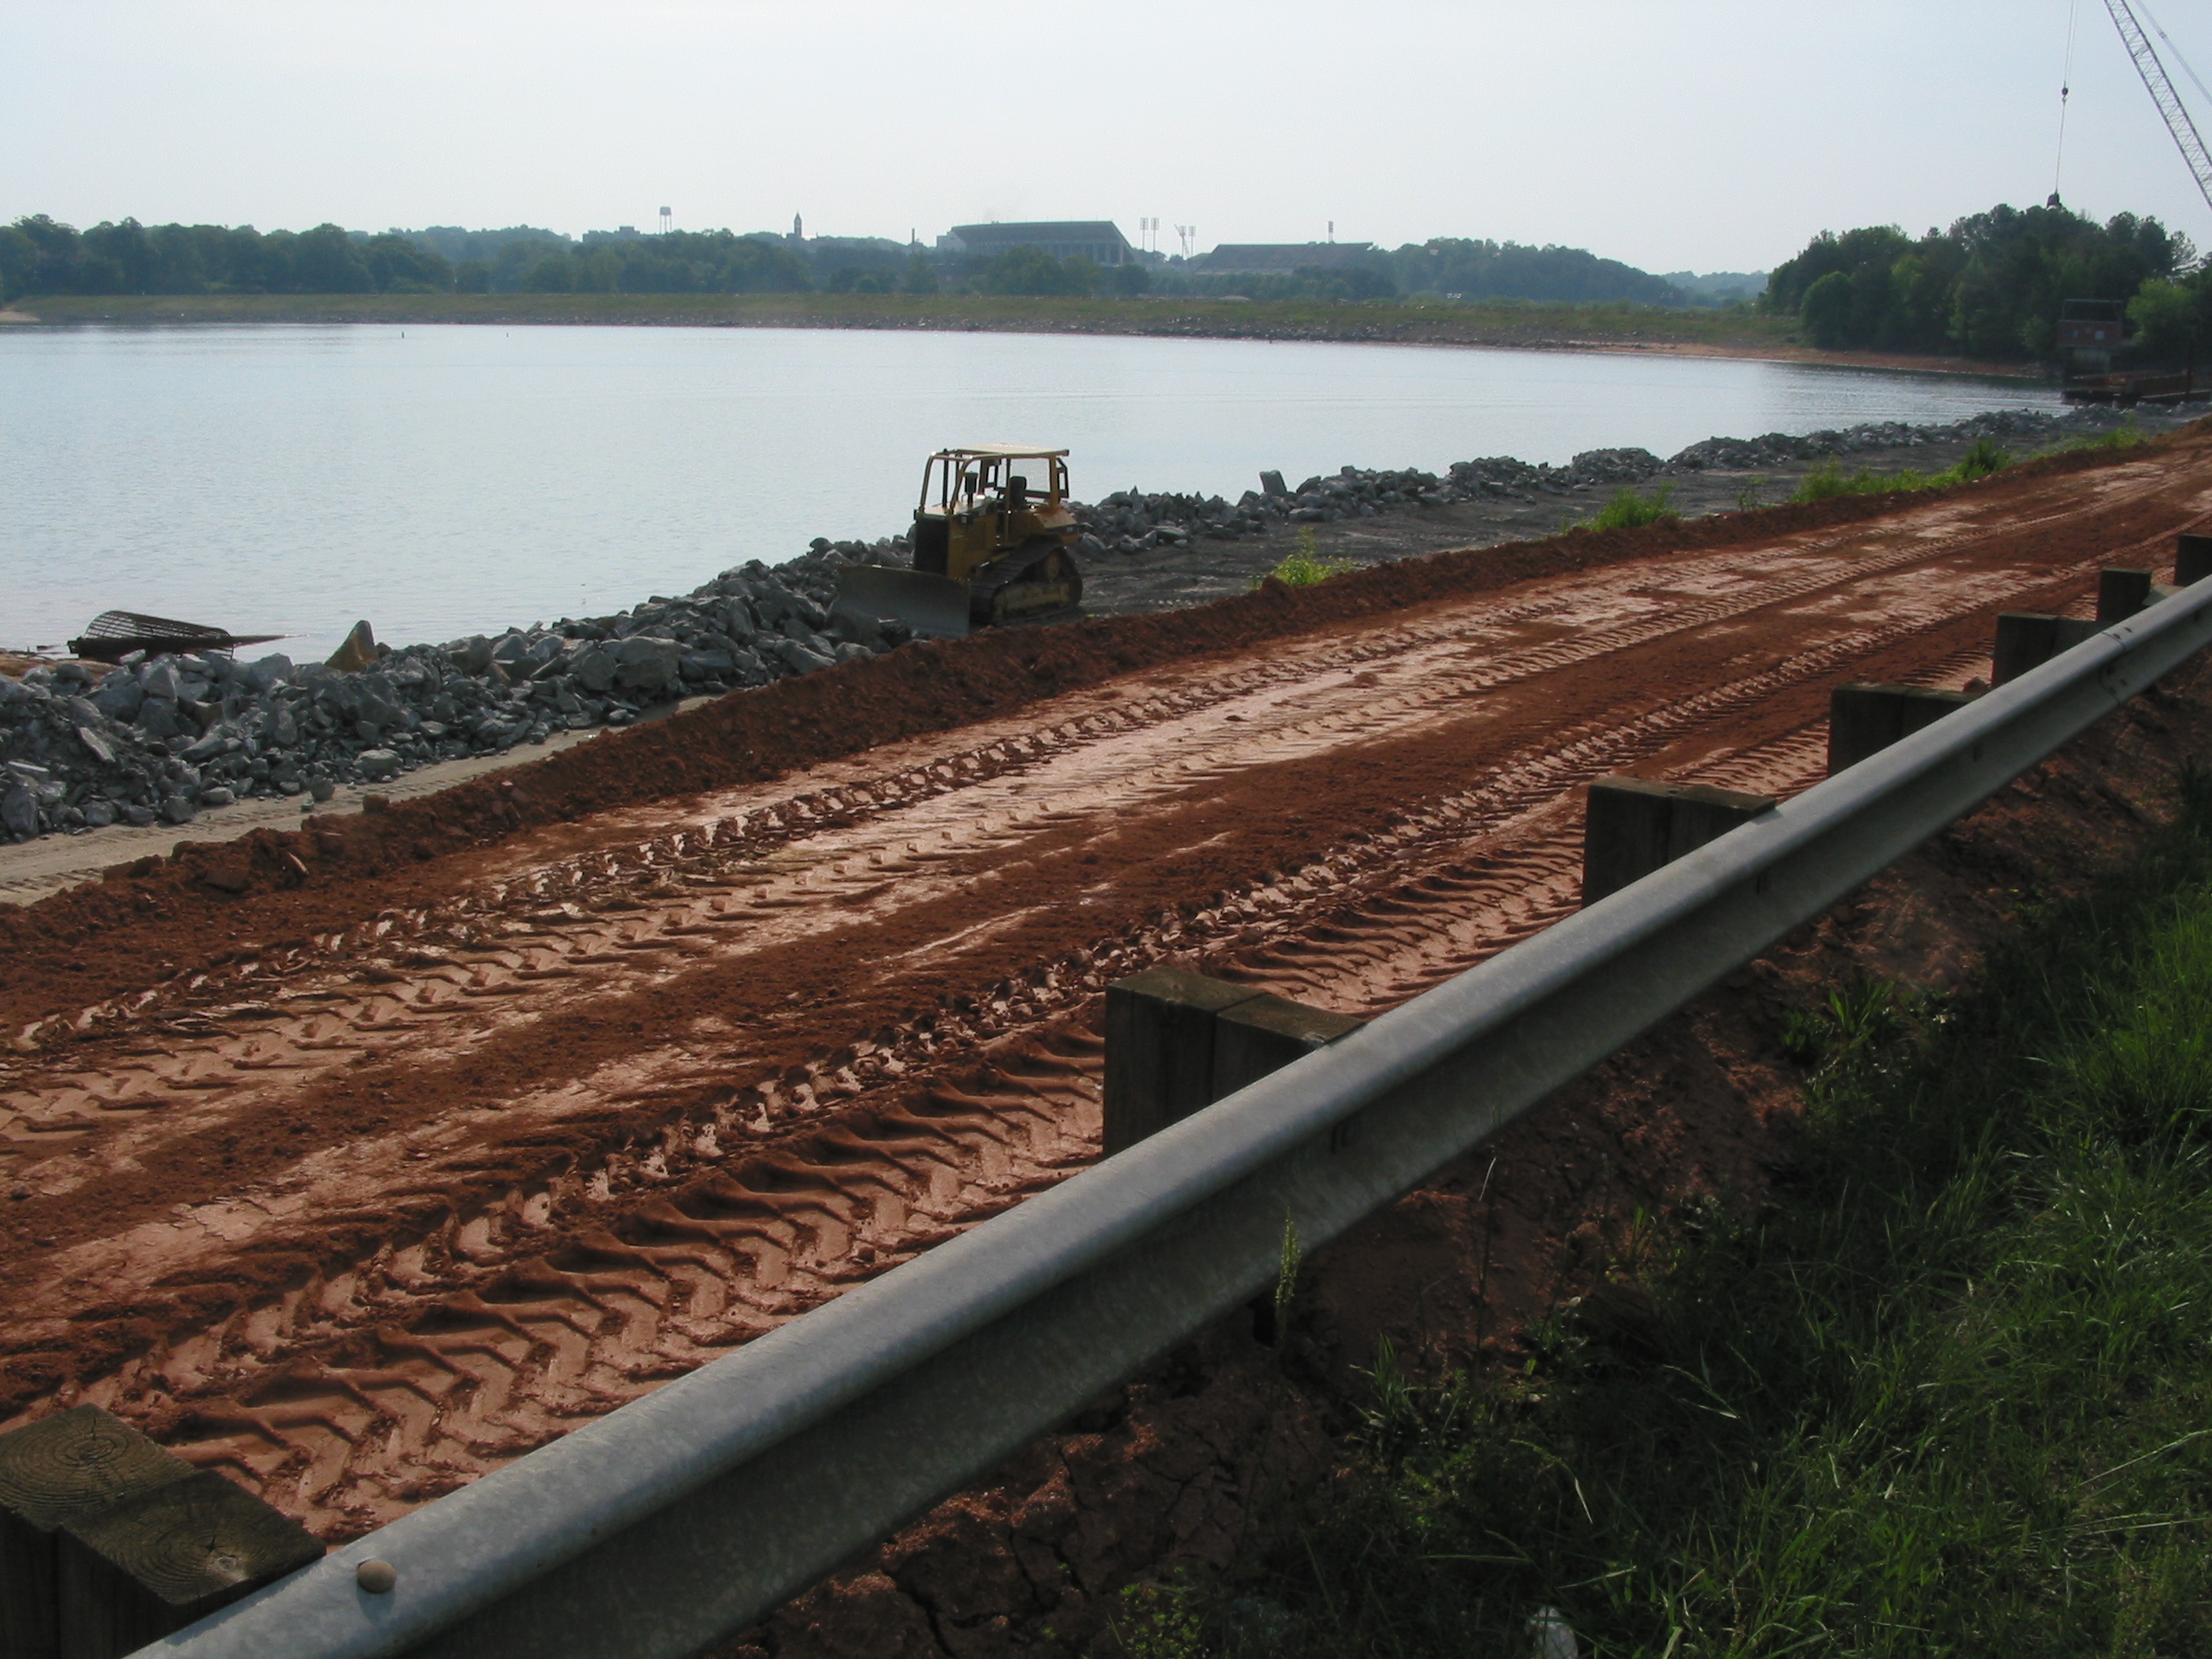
(360, 1160)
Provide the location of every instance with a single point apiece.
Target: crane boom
(2163, 95)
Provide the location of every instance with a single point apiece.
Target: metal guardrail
(688, 1514)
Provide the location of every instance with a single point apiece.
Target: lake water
(448, 480)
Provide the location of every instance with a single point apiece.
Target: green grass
(1951, 1393)
(1304, 566)
(1627, 510)
(1829, 479)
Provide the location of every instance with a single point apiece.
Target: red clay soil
(184, 911)
(357, 1161)
(1226, 1447)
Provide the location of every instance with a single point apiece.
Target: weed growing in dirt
(1304, 566)
(1748, 496)
(2126, 435)
(1627, 510)
(1828, 479)
(1948, 1393)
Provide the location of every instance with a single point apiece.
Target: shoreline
(1508, 326)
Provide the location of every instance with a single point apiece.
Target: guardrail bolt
(1864, 720)
(1633, 826)
(2028, 638)
(108, 1543)
(377, 1577)
(2193, 559)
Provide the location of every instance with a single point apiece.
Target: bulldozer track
(594, 1213)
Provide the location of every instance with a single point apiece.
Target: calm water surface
(445, 481)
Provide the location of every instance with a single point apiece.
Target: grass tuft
(1629, 510)
(1304, 566)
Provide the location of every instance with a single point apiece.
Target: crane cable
(2065, 87)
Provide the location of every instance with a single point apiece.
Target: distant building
(1279, 259)
(1097, 239)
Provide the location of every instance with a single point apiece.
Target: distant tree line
(39, 255)
(1990, 286)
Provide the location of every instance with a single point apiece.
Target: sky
(1673, 135)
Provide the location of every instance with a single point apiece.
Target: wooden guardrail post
(1159, 1050)
(108, 1543)
(1176, 1042)
(1265, 1034)
(2193, 559)
(167, 1558)
(1863, 718)
(2120, 594)
(1634, 826)
(2028, 638)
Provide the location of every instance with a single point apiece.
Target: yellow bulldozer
(992, 538)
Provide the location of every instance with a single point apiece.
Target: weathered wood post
(1176, 1042)
(63, 1468)
(1633, 826)
(1863, 718)
(2120, 594)
(2028, 638)
(163, 1558)
(108, 1543)
(1159, 1050)
(2193, 559)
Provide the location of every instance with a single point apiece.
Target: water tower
(666, 220)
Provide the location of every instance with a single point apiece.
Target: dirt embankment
(358, 1160)
(1228, 1444)
(184, 911)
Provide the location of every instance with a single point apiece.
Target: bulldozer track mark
(566, 1246)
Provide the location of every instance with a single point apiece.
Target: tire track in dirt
(455, 1315)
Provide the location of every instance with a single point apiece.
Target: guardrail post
(2120, 594)
(167, 1557)
(60, 1470)
(108, 1543)
(1266, 1034)
(1159, 1041)
(2028, 638)
(1176, 1042)
(2193, 559)
(1634, 826)
(1863, 718)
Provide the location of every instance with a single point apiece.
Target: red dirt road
(361, 1160)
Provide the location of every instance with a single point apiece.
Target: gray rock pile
(159, 740)
(1130, 521)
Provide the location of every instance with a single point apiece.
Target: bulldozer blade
(935, 608)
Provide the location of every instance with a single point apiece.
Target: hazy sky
(1708, 134)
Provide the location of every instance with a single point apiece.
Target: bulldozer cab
(977, 504)
(993, 543)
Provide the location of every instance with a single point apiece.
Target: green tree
(472, 277)
(921, 275)
(325, 261)
(1029, 270)
(400, 264)
(19, 262)
(2173, 321)
(555, 273)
